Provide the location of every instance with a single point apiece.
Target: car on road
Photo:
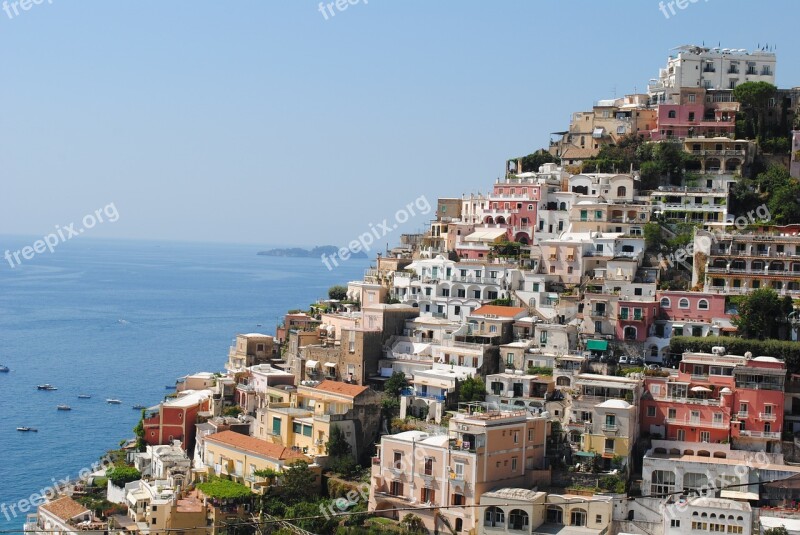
(623, 360)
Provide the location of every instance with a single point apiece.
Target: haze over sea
(123, 320)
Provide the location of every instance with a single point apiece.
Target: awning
(330, 364)
(485, 234)
(739, 495)
(598, 133)
(585, 454)
(311, 363)
(597, 345)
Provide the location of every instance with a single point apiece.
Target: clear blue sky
(262, 122)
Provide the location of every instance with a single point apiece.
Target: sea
(123, 320)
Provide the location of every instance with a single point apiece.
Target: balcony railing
(760, 434)
(769, 416)
(696, 423)
(610, 428)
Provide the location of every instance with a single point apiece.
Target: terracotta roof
(335, 387)
(506, 312)
(65, 508)
(255, 445)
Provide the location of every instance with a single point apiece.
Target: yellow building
(305, 422)
(237, 457)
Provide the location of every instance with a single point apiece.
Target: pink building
(718, 398)
(692, 120)
(691, 306)
(634, 319)
(513, 205)
(484, 449)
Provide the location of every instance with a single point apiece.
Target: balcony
(696, 423)
(700, 377)
(692, 401)
(767, 416)
(742, 415)
(610, 428)
(771, 435)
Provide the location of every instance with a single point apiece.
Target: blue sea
(123, 320)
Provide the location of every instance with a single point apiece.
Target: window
(514, 463)
(691, 116)
(651, 411)
(429, 466)
(662, 483)
(705, 436)
(396, 488)
(671, 114)
(494, 517)
(516, 441)
(695, 481)
(428, 495)
(674, 523)
(543, 337)
(459, 470)
(509, 359)
(518, 520)
(702, 304)
(397, 462)
(276, 426)
(683, 303)
(665, 302)
(577, 517)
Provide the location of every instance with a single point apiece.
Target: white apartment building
(687, 516)
(710, 68)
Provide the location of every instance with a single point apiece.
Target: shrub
(120, 475)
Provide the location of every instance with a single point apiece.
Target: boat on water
(138, 407)
(84, 396)
(27, 429)
(4, 369)
(64, 407)
(46, 386)
(113, 401)
(170, 387)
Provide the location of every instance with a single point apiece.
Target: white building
(710, 68)
(686, 516)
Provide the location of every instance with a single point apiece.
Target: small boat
(46, 386)
(113, 401)
(138, 407)
(84, 396)
(4, 369)
(63, 407)
(27, 429)
(170, 387)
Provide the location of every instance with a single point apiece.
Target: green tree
(233, 410)
(141, 445)
(532, 162)
(754, 98)
(337, 292)
(120, 475)
(759, 314)
(780, 530)
(337, 445)
(395, 384)
(649, 175)
(298, 483)
(224, 489)
(652, 237)
(784, 203)
(413, 525)
(307, 509)
(472, 389)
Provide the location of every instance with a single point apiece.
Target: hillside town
(604, 342)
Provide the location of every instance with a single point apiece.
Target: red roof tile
(345, 389)
(65, 508)
(255, 445)
(495, 310)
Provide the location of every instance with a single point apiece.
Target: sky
(272, 122)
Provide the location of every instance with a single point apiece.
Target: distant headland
(315, 252)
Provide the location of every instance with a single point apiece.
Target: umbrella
(701, 389)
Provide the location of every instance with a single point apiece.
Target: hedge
(780, 349)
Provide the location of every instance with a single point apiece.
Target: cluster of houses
(541, 288)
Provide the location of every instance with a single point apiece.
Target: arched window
(702, 304)
(630, 333)
(622, 191)
(683, 303)
(555, 515)
(671, 114)
(562, 206)
(518, 520)
(665, 302)
(577, 517)
(494, 517)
